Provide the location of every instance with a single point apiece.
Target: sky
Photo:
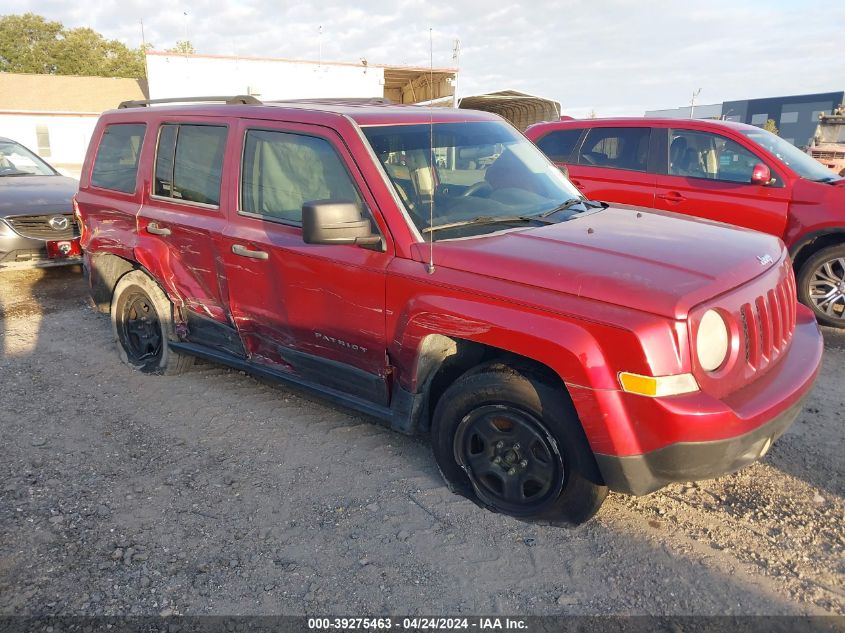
(614, 57)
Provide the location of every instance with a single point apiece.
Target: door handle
(672, 196)
(243, 251)
(155, 229)
(575, 182)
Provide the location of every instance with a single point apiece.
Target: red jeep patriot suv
(431, 268)
(719, 170)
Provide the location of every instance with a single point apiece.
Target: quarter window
(116, 165)
(189, 162)
(281, 171)
(711, 156)
(558, 145)
(616, 147)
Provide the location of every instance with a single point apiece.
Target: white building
(54, 115)
(179, 75)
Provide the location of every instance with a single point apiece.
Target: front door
(708, 175)
(315, 311)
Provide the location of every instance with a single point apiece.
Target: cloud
(614, 56)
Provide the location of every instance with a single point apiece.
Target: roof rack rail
(338, 101)
(229, 100)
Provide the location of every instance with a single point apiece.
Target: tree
(183, 47)
(27, 43)
(31, 44)
(593, 114)
(770, 126)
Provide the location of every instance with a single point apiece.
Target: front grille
(38, 227)
(769, 322)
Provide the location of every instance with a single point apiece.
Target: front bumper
(18, 251)
(717, 437)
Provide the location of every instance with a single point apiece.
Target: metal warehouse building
(795, 116)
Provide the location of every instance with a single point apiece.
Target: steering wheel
(476, 189)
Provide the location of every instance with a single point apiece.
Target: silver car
(37, 227)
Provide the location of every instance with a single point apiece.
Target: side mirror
(564, 170)
(336, 222)
(761, 175)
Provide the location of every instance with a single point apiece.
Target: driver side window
(281, 171)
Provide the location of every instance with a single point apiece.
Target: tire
(821, 285)
(142, 322)
(514, 444)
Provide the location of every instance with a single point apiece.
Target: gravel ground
(215, 493)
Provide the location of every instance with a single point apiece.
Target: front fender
(568, 348)
(585, 342)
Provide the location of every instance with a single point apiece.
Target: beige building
(54, 115)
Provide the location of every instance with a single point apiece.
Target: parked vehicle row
(431, 268)
(729, 172)
(37, 227)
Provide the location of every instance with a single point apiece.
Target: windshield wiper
(596, 204)
(563, 207)
(488, 219)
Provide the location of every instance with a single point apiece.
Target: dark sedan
(37, 227)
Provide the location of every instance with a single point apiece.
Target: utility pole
(144, 53)
(187, 37)
(692, 102)
(456, 58)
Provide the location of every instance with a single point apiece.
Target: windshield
(16, 160)
(477, 177)
(802, 164)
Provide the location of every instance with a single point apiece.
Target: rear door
(315, 311)
(181, 219)
(612, 164)
(708, 175)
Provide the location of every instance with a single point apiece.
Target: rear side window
(558, 145)
(116, 165)
(189, 162)
(616, 147)
(281, 171)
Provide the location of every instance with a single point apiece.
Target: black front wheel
(515, 444)
(821, 285)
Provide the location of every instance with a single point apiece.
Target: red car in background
(719, 170)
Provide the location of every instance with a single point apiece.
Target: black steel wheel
(511, 460)
(139, 330)
(821, 285)
(142, 321)
(512, 442)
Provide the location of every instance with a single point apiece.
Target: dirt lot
(215, 493)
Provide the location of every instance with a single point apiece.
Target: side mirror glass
(336, 222)
(761, 174)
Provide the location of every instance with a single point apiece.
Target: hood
(29, 195)
(651, 261)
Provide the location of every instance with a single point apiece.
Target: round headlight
(711, 344)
